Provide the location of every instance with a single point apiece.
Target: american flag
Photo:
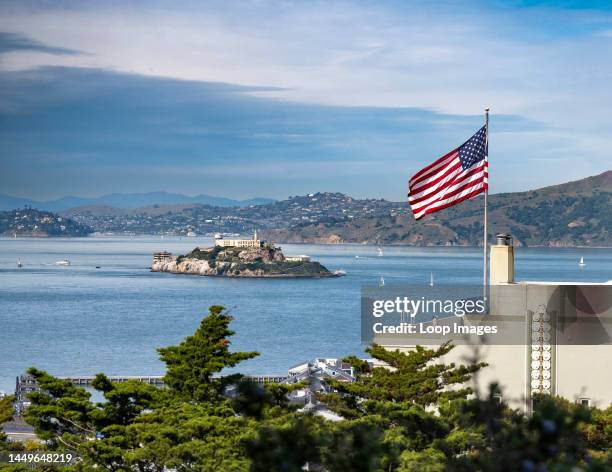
(455, 177)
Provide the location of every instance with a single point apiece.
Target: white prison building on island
(255, 242)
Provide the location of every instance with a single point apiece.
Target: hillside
(206, 219)
(570, 214)
(30, 222)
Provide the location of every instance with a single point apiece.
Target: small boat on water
(64, 262)
(381, 282)
(19, 264)
(380, 252)
(581, 263)
(339, 272)
(431, 283)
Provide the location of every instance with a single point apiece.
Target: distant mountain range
(126, 200)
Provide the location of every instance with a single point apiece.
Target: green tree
(189, 425)
(6, 414)
(386, 425)
(551, 438)
(598, 433)
(6, 408)
(414, 414)
(192, 364)
(412, 377)
(286, 443)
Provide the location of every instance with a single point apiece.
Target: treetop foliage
(414, 414)
(192, 363)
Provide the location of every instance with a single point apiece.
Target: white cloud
(550, 65)
(326, 52)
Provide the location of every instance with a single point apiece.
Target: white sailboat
(431, 283)
(380, 252)
(381, 282)
(19, 264)
(581, 263)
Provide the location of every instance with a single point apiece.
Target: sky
(272, 98)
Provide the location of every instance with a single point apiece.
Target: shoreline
(289, 276)
(117, 236)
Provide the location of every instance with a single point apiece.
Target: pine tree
(189, 425)
(413, 378)
(192, 364)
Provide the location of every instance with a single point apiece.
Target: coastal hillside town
(180, 220)
(570, 214)
(32, 222)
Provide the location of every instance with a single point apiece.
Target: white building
(556, 338)
(254, 243)
(300, 258)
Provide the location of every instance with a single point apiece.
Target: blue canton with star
(474, 149)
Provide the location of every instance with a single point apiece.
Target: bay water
(81, 320)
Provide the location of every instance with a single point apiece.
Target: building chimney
(502, 260)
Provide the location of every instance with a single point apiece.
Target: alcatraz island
(241, 258)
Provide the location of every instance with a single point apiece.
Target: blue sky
(278, 98)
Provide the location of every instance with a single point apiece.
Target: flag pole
(486, 194)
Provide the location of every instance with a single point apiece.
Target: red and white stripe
(444, 183)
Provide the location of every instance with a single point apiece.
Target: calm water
(80, 320)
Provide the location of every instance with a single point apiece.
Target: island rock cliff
(218, 261)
